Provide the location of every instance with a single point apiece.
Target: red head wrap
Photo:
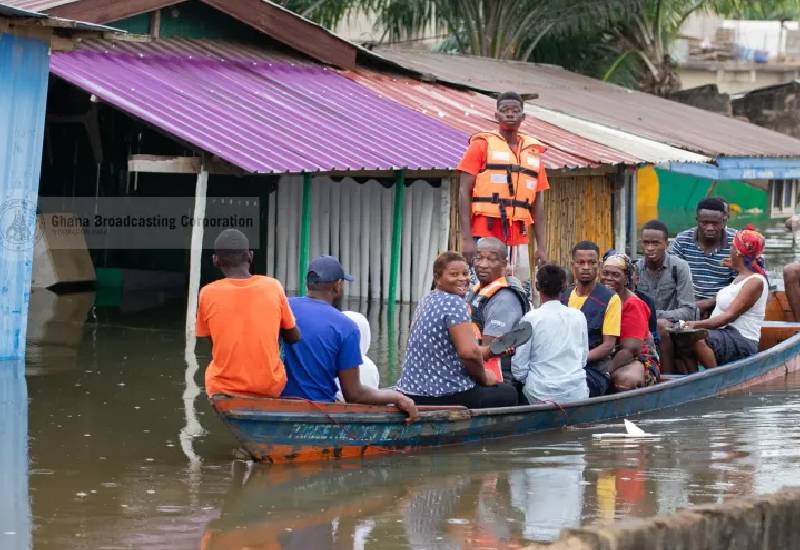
(750, 243)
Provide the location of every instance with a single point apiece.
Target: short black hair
(551, 279)
(712, 203)
(231, 248)
(657, 225)
(586, 245)
(509, 95)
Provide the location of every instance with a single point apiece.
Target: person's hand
(689, 325)
(489, 379)
(540, 257)
(407, 405)
(468, 249)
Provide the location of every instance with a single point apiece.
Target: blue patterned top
(431, 366)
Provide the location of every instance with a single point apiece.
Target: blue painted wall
(24, 65)
(15, 510)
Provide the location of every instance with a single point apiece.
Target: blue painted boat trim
(261, 431)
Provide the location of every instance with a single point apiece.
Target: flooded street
(125, 452)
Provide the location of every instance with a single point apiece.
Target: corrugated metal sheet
(23, 97)
(642, 114)
(472, 112)
(643, 148)
(259, 111)
(57, 22)
(37, 5)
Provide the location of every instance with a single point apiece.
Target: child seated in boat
(550, 364)
(330, 347)
(635, 360)
(367, 371)
(443, 364)
(245, 316)
(734, 327)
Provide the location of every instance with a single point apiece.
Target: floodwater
(123, 451)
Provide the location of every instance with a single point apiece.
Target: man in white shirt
(551, 364)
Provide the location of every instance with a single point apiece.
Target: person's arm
(354, 392)
(747, 297)
(687, 309)
(521, 361)
(471, 354)
(603, 350)
(465, 184)
(539, 225)
(289, 331)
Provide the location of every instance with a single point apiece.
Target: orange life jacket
(506, 188)
(476, 302)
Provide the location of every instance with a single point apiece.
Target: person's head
(364, 331)
(748, 245)
(325, 280)
(711, 219)
(654, 240)
(551, 280)
(451, 273)
(510, 111)
(617, 272)
(585, 259)
(491, 259)
(232, 252)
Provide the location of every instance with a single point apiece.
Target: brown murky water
(124, 452)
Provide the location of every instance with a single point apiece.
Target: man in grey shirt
(667, 279)
(497, 302)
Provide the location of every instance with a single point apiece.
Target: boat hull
(286, 431)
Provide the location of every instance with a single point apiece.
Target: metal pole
(305, 233)
(397, 233)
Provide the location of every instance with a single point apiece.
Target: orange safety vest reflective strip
(506, 188)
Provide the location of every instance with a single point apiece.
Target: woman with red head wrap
(734, 327)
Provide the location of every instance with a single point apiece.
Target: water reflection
(15, 513)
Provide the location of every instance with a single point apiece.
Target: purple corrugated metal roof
(642, 114)
(473, 112)
(259, 111)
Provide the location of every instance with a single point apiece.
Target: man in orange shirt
(502, 179)
(245, 316)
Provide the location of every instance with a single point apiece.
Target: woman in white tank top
(734, 327)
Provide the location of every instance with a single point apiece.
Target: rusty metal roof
(259, 111)
(472, 112)
(642, 114)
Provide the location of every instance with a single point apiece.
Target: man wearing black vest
(602, 309)
(498, 301)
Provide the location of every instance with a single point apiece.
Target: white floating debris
(150, 491)
(81, 494)
(458, 521)
(632, 431)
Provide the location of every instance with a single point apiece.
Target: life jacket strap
(516, 168)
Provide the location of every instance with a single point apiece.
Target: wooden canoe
(286, 430)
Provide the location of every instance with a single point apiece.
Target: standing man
(603, 311)
(330, 347)
(667, 279)
(497, 302)
(502, 179)
(704, 248)
(244, 315)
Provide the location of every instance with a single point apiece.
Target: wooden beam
(155, 24)
(290, 29)
(161, 164)
(103, 11)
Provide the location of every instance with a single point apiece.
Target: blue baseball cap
(327, 269)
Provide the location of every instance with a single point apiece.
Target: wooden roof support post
(195, 256)
(305, 235)
(394, 266)
(632, 233)
(621, 212)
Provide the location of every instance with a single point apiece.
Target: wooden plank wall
(578, 208)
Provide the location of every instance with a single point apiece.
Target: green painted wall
(193, 20)
(679, 194)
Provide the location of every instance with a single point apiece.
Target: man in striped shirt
(705, 248)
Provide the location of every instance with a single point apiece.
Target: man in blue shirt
(705, 248)
(330, 347)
